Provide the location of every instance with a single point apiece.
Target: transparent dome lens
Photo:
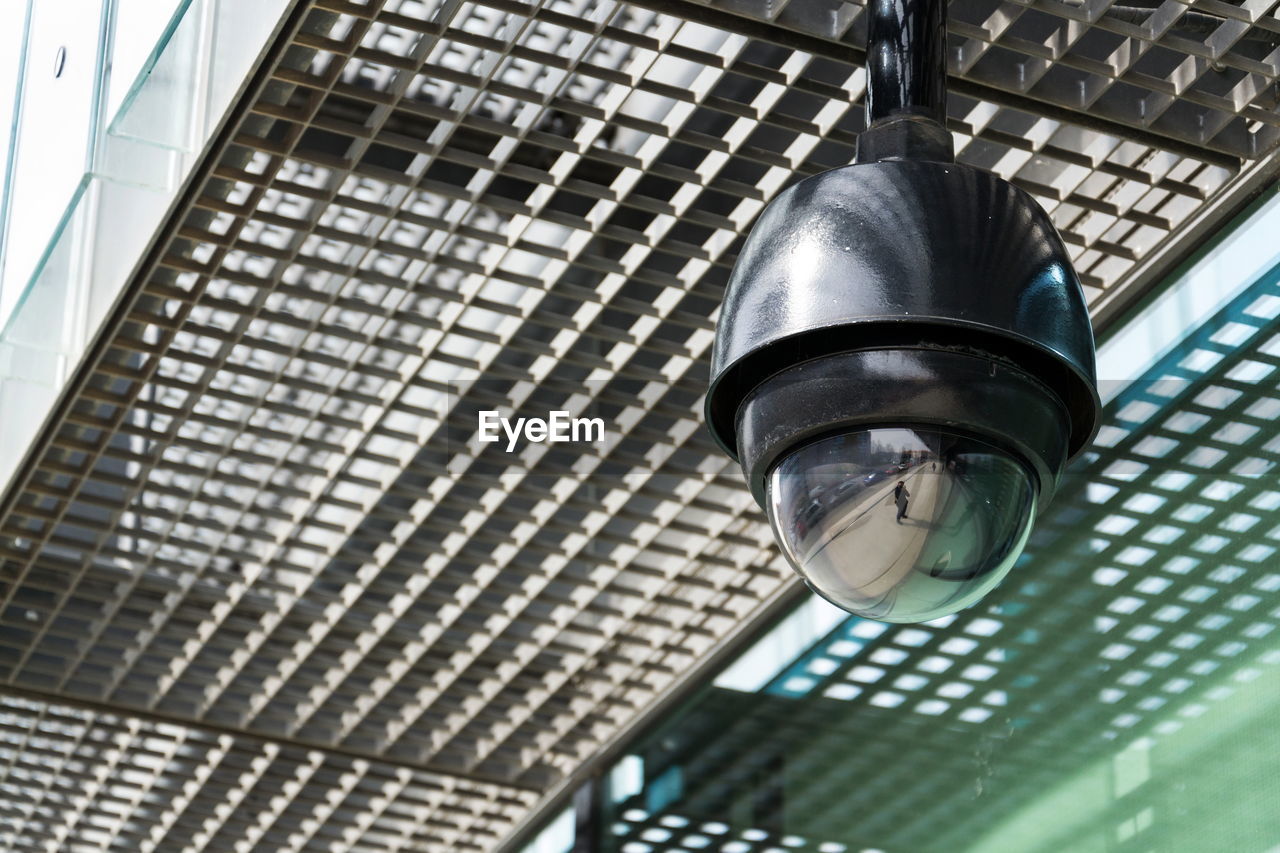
(901, 525)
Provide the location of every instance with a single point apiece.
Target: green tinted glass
(1120, 691)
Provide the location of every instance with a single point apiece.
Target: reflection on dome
(901, 525)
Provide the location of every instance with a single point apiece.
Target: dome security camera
(904, 361)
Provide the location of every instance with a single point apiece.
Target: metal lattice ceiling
(257, 516)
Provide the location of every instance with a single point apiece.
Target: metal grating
(1197, 73)
(260, 507)
(76, 779)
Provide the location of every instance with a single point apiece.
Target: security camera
(903, 366)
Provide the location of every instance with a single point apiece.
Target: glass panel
(140, 162)
(54, 132)
(33, 360)
(140, 29)
(13, 29)
(164, 108)
(557, 837)
(1117, 692)
(1201, 288)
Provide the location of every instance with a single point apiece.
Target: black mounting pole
(906, 82)
(906, 59)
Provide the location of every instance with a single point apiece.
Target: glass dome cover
(901, 524)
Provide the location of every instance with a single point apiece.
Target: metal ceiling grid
(1148, 594)
(720, 122)
(77, 779)
(260, 508)
(1202, 73)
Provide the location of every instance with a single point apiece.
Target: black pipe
(906, 59)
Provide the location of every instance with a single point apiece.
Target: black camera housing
(898, 293)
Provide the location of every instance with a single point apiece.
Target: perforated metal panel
(1147, 600)
(260, 509)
